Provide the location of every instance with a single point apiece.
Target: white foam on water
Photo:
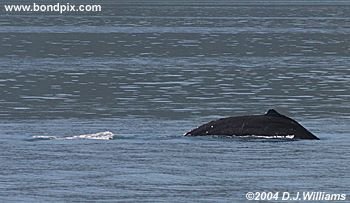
(271, 137)
(106, 135)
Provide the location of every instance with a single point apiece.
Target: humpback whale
(269, 125)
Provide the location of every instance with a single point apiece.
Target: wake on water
(107, 135)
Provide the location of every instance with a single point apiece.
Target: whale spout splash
(107, 135)
(269, 125)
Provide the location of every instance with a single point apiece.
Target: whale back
(271, 123)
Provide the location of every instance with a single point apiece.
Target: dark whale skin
(272, 124)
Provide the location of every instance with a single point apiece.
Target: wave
(106, 135)
(160, 29)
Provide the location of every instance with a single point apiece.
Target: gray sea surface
(94, 105)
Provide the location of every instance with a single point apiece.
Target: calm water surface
(93, 106)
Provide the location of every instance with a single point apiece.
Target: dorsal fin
(272, 112)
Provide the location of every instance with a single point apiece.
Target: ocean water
(94, 105)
